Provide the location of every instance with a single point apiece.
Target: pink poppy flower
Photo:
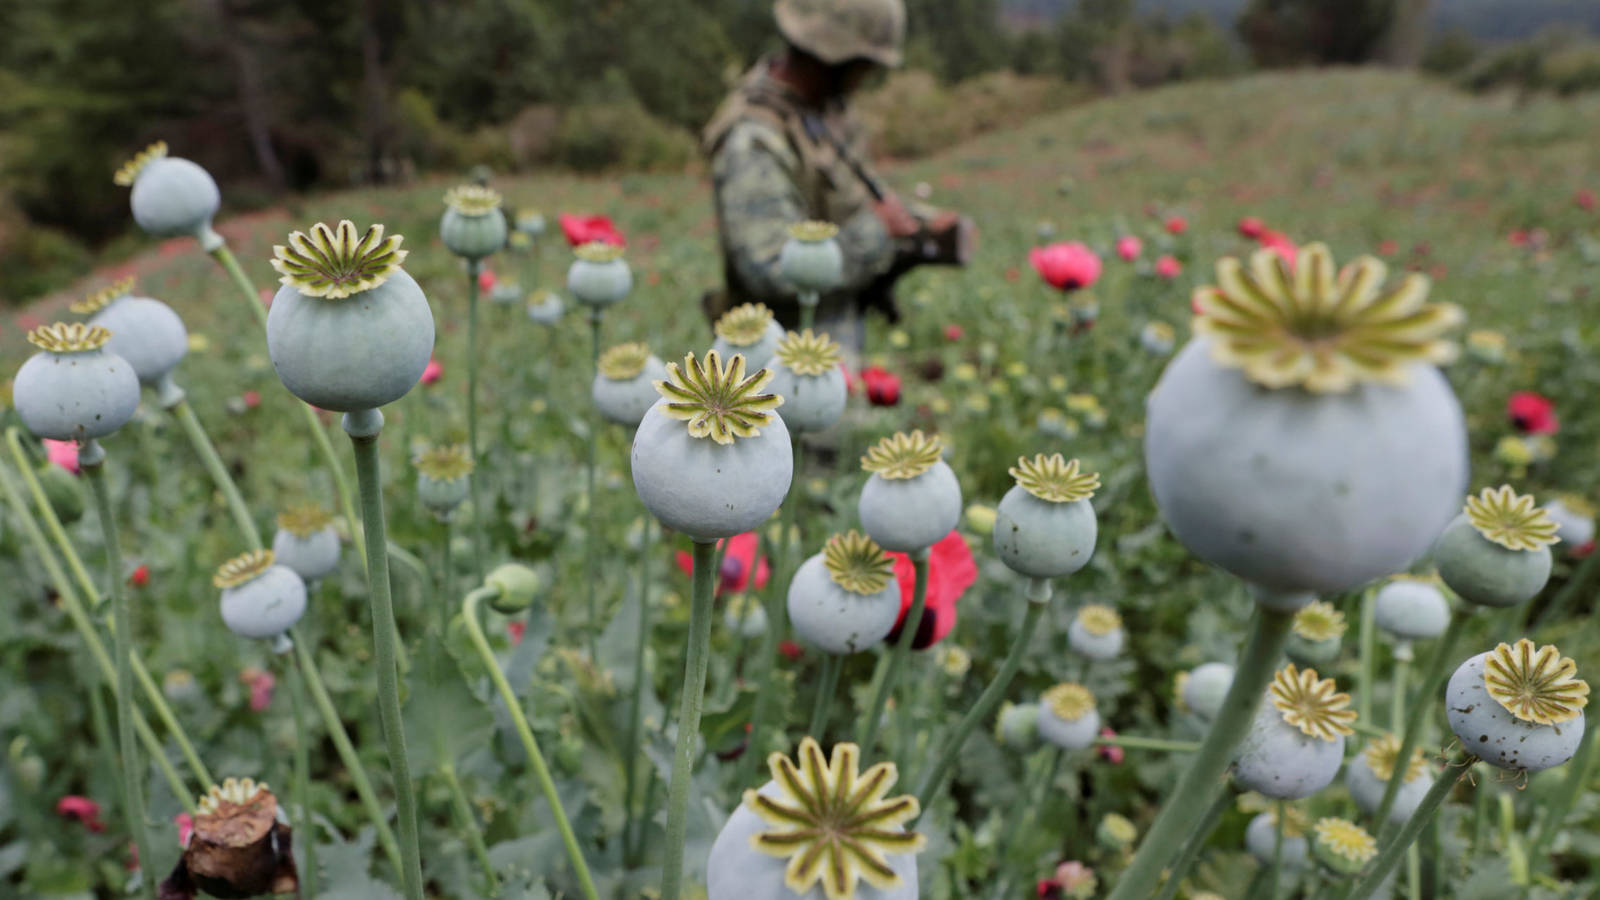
(581, 230)
(185, 823)
(1111, 753)
(1066, 266)
(1176, 224)
(1279, 243)
(83, 810)
(1129, 247)
(738, 563)
(1168, 267)
(63, 454)
(1586, 200)
(1251, 227)
(486, 280)
(252, 399)
(1388, 248)
(432, 372)
(953, 332)
(515, 631)
(1532, 413)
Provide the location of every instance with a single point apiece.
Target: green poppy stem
(1133, 742)
(474, 267)
(808, 309)
(1397, 707)
(777, 612)
(1393, 851)
(1195, 843)
(897, 654)
(1369, 663)
(302, 786)
(307, 665)
(319, 435)
(633, 757)
(1427, 689)
(530, 744)
(364, 427)
(591, 572)
(207, 452)
(1204, 776)
(1038, 597)
(1276, 868)
(468, 823)
(92, 461)
(690, 703)
(827, 686)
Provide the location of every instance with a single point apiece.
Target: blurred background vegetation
(304, 95)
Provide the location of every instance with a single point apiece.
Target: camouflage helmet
(837, 31)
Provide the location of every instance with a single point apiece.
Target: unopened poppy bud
(515, 585)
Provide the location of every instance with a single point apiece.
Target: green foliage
(912, 114)
(1556, 61)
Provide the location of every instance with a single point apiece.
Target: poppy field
(1225, 529)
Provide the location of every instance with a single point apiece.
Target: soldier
(784, 148)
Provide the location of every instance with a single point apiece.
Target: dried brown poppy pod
(240, 847)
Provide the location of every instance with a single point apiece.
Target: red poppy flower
(252, 399)
(1251, 227)
(185, 823)
(432, 372)
(1518, 238)
(1279, 243)
(1586, 200)
(790, 650)
(140, 576)
(581, 230)
(1176, 224)
(950, 572)
(1047, 889)
(1129, 247)
(883, 386)
(737, 563)
(1532, 413)
(515, 631)
(82, 809)
(953, 332)
(1066, 266)
(1109, 752)
(261, 691)
(486, 280)
(1388, 248)
(1168, 267)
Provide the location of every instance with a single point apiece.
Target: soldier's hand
(895, 217)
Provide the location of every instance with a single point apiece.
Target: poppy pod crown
(624, 361)
(598, 252)
(98, 300)
(808, 353)
(718, 401)
(1054, 479)
(472, 200)
(1346, 840)
(446, 463)
(129, 173)
(1099, 620)
(832, 822)
(64, 337)
(1536, 685)
(856, 563)
(1383, 753)
(744, 325)
(1313, 705)
(243, 569)
(1306, 324)
(1319, 621)
(337, 262)
(901, 456)
(1511, 519)
(234, 792)
(1069, 701)
(813, 231)
(305, 520)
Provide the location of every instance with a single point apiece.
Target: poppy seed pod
(1096, 632)
(145, 332)
(1411, 609)
(1369, 772)
(1345, 847)
(744, 616)
(845, 599)
(1295, 744)
(241, 846)
(599, 276)
(1271, 413)
(1315, 636)
(1261, 839)
(306, 542)
(819, 830)
(1068, 717)
(1044, 526)
(751, 330)
(811, 260)
(260, 599)
(1206, 687)
(349, 330)
(546, 307)
(531, 223)
(74, 389)
(1017, 726)
(912, 499)
(171, 196)
(505, 293)
(443, 475)
(1518, 707)
(1574, 518)
(807, 375)
(1497, 552)
(473, 226)
(624, 387)
(711, 458)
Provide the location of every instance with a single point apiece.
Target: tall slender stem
(1426, 691)
(302, 785)
(827, 686)
(777, 621)
(1397, 708)
(207, 452)
(1195, 843)
(897, 653)
(364, 428)
(473, 268)
(1395, 849)
(694, 686)
(808, 309)
(590, 566)
(341, 483)
(1204, 777)
(530, 744)
(1277, 848)
(1369, 639)
(1132, 742)
(1038, 596)
(636, 695)
(93, 463)
(469, 825)
(347, 752)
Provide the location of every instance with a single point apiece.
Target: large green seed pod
(1261, 839)
(811, 260)
(473, 226)
(750, 330)
(1497, 552)
(845, 599)
(807, 375)
(625, 385)
(599, 276)
(349, 330)
(1296, 742)
(74, 389)
(1412, 609)
(711, 458)
(306, 542)
(1206, 687)
(1368, 774)
(1096, 632)
(1518, 707)
(260, 599)
(144, 331)
(443, 479)
(1044, 526)
(1068, 717)
(912, 499)
(1304, 440)
(171, 196)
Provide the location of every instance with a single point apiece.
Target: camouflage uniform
(775, 162)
